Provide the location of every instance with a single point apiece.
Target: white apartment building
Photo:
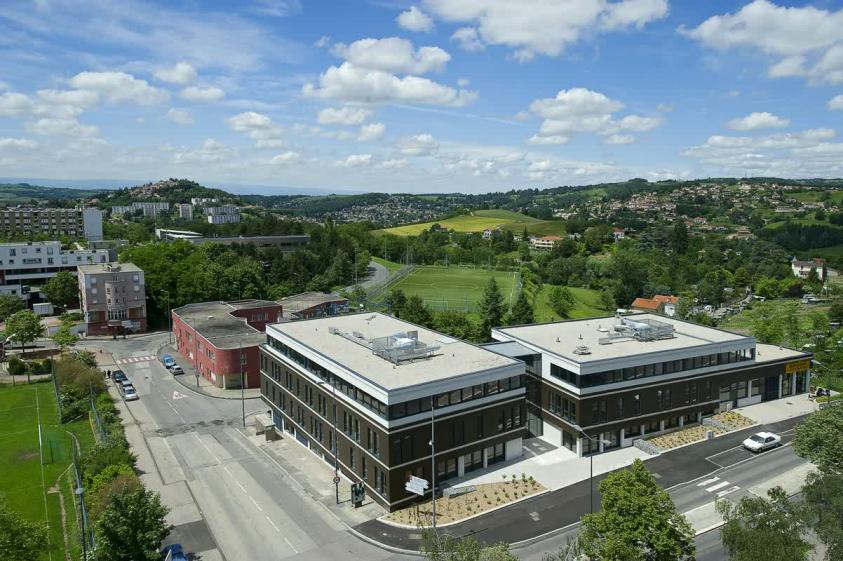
(544, 243)
(74, 222)
(185, 211)
(149, 209)
(30, 264)
(222, 214)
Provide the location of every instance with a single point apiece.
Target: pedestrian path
(134, 359)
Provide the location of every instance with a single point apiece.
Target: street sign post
(416, 485)
(358, 494)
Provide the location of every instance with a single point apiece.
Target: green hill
(479, 220)
(24, 193)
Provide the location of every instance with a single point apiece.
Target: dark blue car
(174, 552)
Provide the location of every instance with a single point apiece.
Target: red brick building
(211, 335)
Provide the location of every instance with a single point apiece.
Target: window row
(648, 370)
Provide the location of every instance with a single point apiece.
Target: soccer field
(454, 288)
(34, 452)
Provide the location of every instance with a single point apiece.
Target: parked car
(176, 370)
(129, 393)
(174, 552)
(123, 383)
(762, 441)
(118, 376)
(168, 361)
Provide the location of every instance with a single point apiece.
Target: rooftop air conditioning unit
(582, 350)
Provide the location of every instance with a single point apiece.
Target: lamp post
(169, 317)
(580, 430)
(242, 385)
(433, 460)
(334, 444)
(79, 491)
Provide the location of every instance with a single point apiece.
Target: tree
(637, 521)
(521, 312)
(823, 496)
(416, 312)
(766, 325)
(24, 327)
(63, 337)
(561, 301)
(835, 313)
(356, 297)
(442, 547)
(491, 307)
(456, 324)
(679, 237)
(820, 439)
(9, 304)
(757, 529)
(131, 526)
(395, 301)
(20, 539)
(62, 290)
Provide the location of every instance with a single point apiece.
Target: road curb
(200, 392)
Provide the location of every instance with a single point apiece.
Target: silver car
(129, 392)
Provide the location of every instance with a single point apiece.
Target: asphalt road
(376, 274)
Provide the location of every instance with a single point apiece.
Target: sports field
(35, 453)
(479, 220)
(454, 288)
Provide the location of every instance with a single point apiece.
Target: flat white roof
(563, 337)
(772, 353)
(454, 358)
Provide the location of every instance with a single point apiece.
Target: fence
(376, 295)
(86, 530)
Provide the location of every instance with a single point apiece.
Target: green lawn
(742, 322)
(454, 288)
(479, 220)
(586, 304)
(29, 470)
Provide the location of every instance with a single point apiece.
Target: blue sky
(431, 95)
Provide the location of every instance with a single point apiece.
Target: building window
(351, 461)
(636, 404)
(598, 411)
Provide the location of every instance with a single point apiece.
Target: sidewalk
(184, 514)
(199, 384)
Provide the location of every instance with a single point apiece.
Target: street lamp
(580, 430)
(433, 460)
(334, 443)
(242, 385)
(169, 317)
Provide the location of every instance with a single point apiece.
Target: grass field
(586, 304)
(391, 266)
(742, 322)
(454, 288)
(31, 461)
(479, 220)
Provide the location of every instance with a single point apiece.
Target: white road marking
(134, 359)
(707, 482)
(228, 471)
(178, 395)
(254, 502)
(720, 485)
(291, 546)
(241, 486)
(725, 492)
(268, 519)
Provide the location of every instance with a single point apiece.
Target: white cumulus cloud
(800, 41)
(258, 127)
(372, 131)
(835, 103)
(343, 116)
(196, 93)
(119, 87)
(180, 73)
(180, 116)
(393, 54)
(544, 27)
(758, 120)
(418, 145)
(415, 20)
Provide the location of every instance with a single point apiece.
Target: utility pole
(169, 317)
(242, 385)
(433, 461)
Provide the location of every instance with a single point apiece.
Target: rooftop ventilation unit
(582, 350)
(638, 329)
(396, 348)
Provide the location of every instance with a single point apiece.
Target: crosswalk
(134, 359)
(718, 486)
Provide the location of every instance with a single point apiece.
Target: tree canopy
(131, 527)
(20, 539)
(820, 439)
(62, 290)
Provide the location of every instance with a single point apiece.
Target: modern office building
(113, 298)
(618, 379)
(309, 305)
(80, 222)
(211, 336)
(25, 266)
(376, 391)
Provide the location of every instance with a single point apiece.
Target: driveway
(375, 275)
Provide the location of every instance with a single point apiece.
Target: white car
(762, 441)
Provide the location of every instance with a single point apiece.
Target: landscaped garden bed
(718, 424)
(483, 497)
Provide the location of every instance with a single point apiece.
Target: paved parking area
(738, 454)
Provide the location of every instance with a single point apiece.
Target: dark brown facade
(384, 458)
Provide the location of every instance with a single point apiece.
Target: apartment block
(222, 214)
(601, 383)
(77, 222)
(148, 209)
(185, 211)
(113, 298)
(392, 400)
(25, 266)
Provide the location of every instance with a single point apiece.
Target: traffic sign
(416, 485)
(336, 479)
